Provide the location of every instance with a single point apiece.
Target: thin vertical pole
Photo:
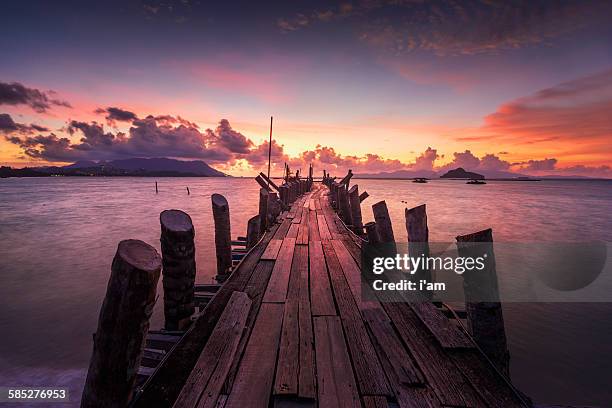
(269, 152)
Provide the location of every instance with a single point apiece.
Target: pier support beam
(122, 325)
(344, 206)
(372, 233)
(263, 211)
(178, 257)
(223, 236)
(418, 241)
(252, 231)
(484, 311)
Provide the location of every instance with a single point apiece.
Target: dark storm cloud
(15, 93)
(228, 138)
(114, 114)
(8, 125)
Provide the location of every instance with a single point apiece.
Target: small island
(460, 173)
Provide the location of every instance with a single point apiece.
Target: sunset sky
(377, 86)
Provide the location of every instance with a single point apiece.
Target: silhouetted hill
(460, 173)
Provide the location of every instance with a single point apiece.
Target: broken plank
(335, 381)
(207, 377)
(256, 372)
(277, 287)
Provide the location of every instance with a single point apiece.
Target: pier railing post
(122, 325)
(344, 206)
(383, 222)
(223, 235)
(355, 205)
(418, 241)
(372, 233)
(484, 310)
(274, 208)
(252, 231)
(178, 258)
(263, 210)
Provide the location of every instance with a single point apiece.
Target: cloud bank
(15, 93)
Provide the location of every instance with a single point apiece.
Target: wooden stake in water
(156, 188)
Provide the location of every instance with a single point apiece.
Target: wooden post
(355, 204)
(223, 236)
(274, 208)
(372, 233)
(363, 196)
(418, 242)
(178, 257)
(344, 206)
(188, 193)
(283, 192)
(383, 222)
(269, 181)
(156, 191)
(122, 325)
(484, 311)
(262, 183)
(263, 211)
(252, 231)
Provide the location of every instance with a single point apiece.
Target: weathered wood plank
(256, 372)
(281, 232)
(272, 249)
(335, 381)
(307, 375)
(323, 229)
(446, 332)
(322, 301)
(446, 381)
(368, 371)
(370, 401)
(207, 377)
(255, 288)
(313, 227)
(277, 288)
(293, 231)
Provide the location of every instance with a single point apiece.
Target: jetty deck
(289, 329)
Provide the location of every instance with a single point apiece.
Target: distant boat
(419, 180)
(474, 181)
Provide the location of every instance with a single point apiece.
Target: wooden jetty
(289, 328)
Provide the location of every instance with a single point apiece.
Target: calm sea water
(58, 237)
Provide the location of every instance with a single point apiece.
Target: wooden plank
(448, 334)
(277, 287)
(255, 288)
(311, 204)
(256, 372)
(335, 382)
(488, 383)
(383, 334)
(281, 232)
(323, 230)
(370, 401)
(445, 378)
(313, 227)
(368, 371)
(207, 377)
(221, 401)
(295, 368)
(302, 237)
(293, 231)
(322, 301)
(329, 218)
(272, 249)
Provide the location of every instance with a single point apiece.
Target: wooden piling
(274, 208)
(262, 183)
(355, 204)
(418, 241)
(223, 236)
(122, 325)
(344, 206)
(188, 193)
(178, 257)
(383, 222)
(363, 196)
(269, 181)
(252, 231)
(372, 233)
(484, 311)
(263, 210)
(156, 191)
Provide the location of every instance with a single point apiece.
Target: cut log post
(252, 231)
(372, 233)
(269, 181)
(274, 208)
(484, 311)
(363, 196)
(223, 236)
(344, 206)
(347, 179)
(282, 194)
(262, 183)
(383, 222)
(122, 325)
(355, 205)
(263, 211)
(418, 242)
(178, 257)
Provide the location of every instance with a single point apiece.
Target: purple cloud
(15, 93)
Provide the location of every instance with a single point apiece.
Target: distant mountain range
(410, 174)
(159, 167)
(460, 173)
